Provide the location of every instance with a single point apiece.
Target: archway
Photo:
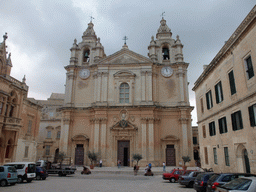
(242, 159)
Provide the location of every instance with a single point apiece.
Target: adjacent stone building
(126, 103)
(50, 127)
(226, 103)
(19, 115)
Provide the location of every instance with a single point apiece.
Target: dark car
(41, 173)
(241, 184)
(200, 182)
(188, 178)
(220, 179)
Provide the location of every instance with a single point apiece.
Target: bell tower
(5, 62)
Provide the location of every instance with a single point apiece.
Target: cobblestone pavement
(98, 182)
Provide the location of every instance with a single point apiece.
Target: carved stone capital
(150, 119)
(184, 120)
(99, 120)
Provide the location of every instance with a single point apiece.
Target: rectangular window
(232, 82)
(204, 131)
(26, 152)
(209, 99)
(237, 122)
(202, 105)
(49, 134)
(58, 135)
(249, 67)
(212, 129)
(223, 125)
(47, 149)
(29, 126)
(206, 156)
(226, 156)
(218, 92)
(252, 115)
(194, 140)
(1, 105)
(215, 155)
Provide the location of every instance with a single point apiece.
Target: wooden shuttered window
(204, 131)
(232, 82)
(206, 156)
(202, 105)
(226, 156)
(252, 115)
(249, 67)
(212, 129)
(237, 122)
(209, 99)
(223, 125)
(218, 92)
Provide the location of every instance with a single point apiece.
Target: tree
(92, 156)
(137, 157)
(60, 157)
(185, 159)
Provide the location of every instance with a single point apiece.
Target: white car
(26, 170)
(244, 184)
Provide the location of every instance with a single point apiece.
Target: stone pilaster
(143, 86)
(99, 87)
(184, 126)
(95, 77)
(96, 135)
(104, 87)
(181, 80)
(103, 138)
(151, 143)
(144, 140)
(149, 86)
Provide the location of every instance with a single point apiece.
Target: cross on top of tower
(91, 18)
(125, 38)
(162, 15)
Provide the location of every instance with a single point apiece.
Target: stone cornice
(227, 46)
(99, 120)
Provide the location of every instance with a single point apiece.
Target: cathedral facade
(126, 103)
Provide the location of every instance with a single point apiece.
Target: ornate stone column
(149, 86)
(184, 127)
(69, 85)
(96, 135)
(95, 77)
(103, 138)
(99, 87)
(151, 142)
(143, 86)
(181, 76)
(104, 87)
(144, 139)
(64, 135)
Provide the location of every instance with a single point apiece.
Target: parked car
(8, 175)
(41, 173)
(200, 182)
(244, 184)
(219, 179)
(26, 170)
(189, 178)
(173, 175)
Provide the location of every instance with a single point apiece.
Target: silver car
(244, 184)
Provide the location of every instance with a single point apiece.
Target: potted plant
(137, 157)
(185, 160)
(93, 157)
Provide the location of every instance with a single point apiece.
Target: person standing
(118, 163)
(100, 163)
(135, 169)
(164, 166)
(150, 165)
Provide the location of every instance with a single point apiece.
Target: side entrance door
(123, 152)
(170, 156)
(79, 154)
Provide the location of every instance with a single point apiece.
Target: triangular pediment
(123, 125)
(125, 56)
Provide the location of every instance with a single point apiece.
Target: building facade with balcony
(226, 103)
(19, 116)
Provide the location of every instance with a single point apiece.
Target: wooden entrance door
(170, 156)
(123, 152)
(79, 154)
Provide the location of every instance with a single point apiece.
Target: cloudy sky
(41, 32)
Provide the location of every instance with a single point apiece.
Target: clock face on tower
(84, 73)
(167, 71)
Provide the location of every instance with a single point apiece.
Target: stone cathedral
(126, 103)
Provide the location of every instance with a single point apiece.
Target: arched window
(165, 52)
(86, 55)
(12, 102)
(124, 93)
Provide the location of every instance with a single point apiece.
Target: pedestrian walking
(119, 164)
(135, 170)
(150, 165)
(164, 166)
(100, 163)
